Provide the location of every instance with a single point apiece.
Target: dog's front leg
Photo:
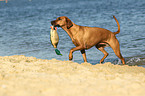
(84, 55)
(74, 49)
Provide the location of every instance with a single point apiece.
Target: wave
(132, 61)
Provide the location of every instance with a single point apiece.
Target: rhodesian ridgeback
(84, 37)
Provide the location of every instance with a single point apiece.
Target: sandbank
(29, 76)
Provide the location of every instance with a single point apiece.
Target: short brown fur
(84, 37)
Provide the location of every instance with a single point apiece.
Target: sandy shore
(29, 76)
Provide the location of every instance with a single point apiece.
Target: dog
(84, 38)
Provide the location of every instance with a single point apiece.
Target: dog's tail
(118, 31)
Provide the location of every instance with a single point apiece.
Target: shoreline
(29, 76)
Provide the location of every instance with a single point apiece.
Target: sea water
(25, 26)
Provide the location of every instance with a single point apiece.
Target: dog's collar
(70, 26)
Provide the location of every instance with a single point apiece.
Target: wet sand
(29, 76)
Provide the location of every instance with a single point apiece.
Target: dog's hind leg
(114, 44)
(104, 52)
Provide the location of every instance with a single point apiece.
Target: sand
(29, 76)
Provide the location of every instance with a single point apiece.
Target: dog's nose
(52, 22)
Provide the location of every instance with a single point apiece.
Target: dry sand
(29, 76)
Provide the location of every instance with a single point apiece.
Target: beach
(29, 76)
(25, 31)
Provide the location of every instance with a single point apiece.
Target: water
(25, 26)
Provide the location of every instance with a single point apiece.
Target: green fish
(57, 52)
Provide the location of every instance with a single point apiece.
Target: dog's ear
(69, 23)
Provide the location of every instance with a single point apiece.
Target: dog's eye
(59, 19)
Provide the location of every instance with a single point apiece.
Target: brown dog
(86, 37)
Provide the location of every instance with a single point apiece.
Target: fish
(54, 38)
(57, 52)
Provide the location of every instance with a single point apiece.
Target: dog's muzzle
(54, 24)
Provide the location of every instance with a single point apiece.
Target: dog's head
(62, 21)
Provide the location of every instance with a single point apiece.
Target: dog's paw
(70, 57)
(101, 61)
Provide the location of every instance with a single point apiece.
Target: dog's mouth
(53, 23)
(57, 25)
